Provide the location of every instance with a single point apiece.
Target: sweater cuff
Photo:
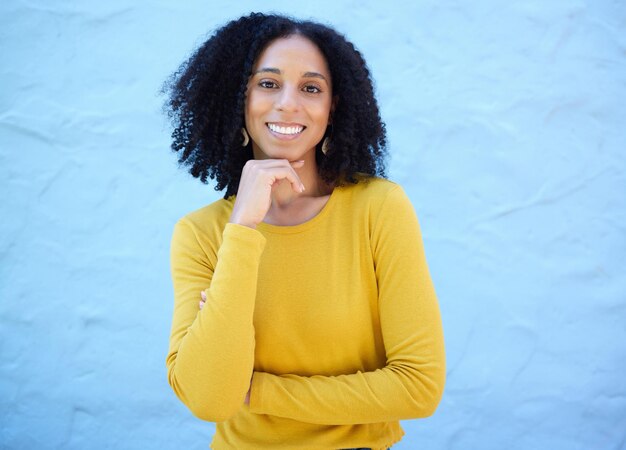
(242, 235)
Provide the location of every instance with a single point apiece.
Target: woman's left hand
(202, 299)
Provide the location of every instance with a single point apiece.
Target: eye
(312, 89)
(268, 84)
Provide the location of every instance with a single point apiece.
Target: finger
(201, 303)
(285, 170)
(299, 163)
(270, 177)
(203, 295)
(278, 169)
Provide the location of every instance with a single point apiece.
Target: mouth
(284, 129)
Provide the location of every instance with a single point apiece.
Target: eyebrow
(278, 72)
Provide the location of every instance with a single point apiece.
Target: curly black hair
(206, 102)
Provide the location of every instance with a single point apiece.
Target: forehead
(293, 52)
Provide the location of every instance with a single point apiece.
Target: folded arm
(411, 384)
(211, 354)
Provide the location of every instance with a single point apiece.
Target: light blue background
(506, 124)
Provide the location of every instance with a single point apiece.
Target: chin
(290, 154)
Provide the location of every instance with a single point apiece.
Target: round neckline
(288, 229)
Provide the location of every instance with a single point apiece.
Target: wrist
(239, 221)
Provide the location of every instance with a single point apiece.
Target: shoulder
(216, 213)
(373, 191)
(378, 201)
(383, 202)
(206, 224)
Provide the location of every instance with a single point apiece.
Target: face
(289, 100)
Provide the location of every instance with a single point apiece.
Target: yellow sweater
(336, 318)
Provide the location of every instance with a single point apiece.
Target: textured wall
(506, 123)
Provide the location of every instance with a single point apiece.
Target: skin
(290, 86)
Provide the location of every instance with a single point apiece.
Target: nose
(287, 99)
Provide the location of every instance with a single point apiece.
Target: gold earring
(325, 145)
(246, 139)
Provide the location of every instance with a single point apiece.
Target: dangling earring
(246, 139)
(325, 145)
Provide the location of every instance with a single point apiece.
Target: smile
(288, 130)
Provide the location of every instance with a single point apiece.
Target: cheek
(255, 106)
(322, 114)
(249, 105)
(250, 115)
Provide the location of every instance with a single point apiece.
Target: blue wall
(507, 129)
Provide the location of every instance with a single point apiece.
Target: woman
(318, 326)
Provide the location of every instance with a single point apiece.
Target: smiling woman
(304, 313)
(289, 100)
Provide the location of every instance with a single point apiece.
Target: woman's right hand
(255, 188)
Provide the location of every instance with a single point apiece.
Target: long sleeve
(411, 383)
(211, 354)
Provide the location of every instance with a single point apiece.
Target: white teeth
(284, 130)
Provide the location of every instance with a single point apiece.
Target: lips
(285, 129)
